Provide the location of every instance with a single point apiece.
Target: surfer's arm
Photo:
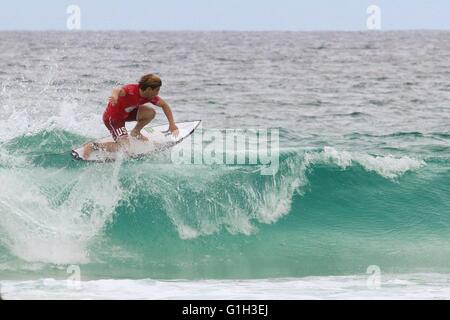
(168, 112)
(116, 92)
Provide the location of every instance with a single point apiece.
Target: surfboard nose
(75, 155)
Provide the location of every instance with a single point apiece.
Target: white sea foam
(64, 117)
(392, 287)
(387, 166)
(202, 200)
(50, 216)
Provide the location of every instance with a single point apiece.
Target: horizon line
(219, 30)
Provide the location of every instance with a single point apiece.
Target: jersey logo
(121, 131)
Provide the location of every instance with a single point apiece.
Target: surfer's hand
(174, 130)
(113, 100)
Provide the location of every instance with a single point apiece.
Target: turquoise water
(364, 163)
(324, 213)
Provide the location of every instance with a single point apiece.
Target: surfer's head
(149, 85)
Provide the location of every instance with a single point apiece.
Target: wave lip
(386, 166)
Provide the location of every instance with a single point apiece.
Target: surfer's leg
(118, 132)
(143, 117)
(122, 143)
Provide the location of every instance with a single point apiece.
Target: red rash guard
(124, 110)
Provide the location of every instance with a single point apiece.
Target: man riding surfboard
(128, 104)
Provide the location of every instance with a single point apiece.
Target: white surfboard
(160, 138)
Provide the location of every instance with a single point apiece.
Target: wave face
(364, 166)
(324, 212)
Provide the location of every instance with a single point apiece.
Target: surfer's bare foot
(87, 149)
(138, 135)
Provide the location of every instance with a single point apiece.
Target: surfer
(129, 104)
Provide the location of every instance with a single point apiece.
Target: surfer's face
(150, 93)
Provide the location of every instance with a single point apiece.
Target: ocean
(358, 208)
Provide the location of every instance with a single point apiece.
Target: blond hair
(150, 81)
